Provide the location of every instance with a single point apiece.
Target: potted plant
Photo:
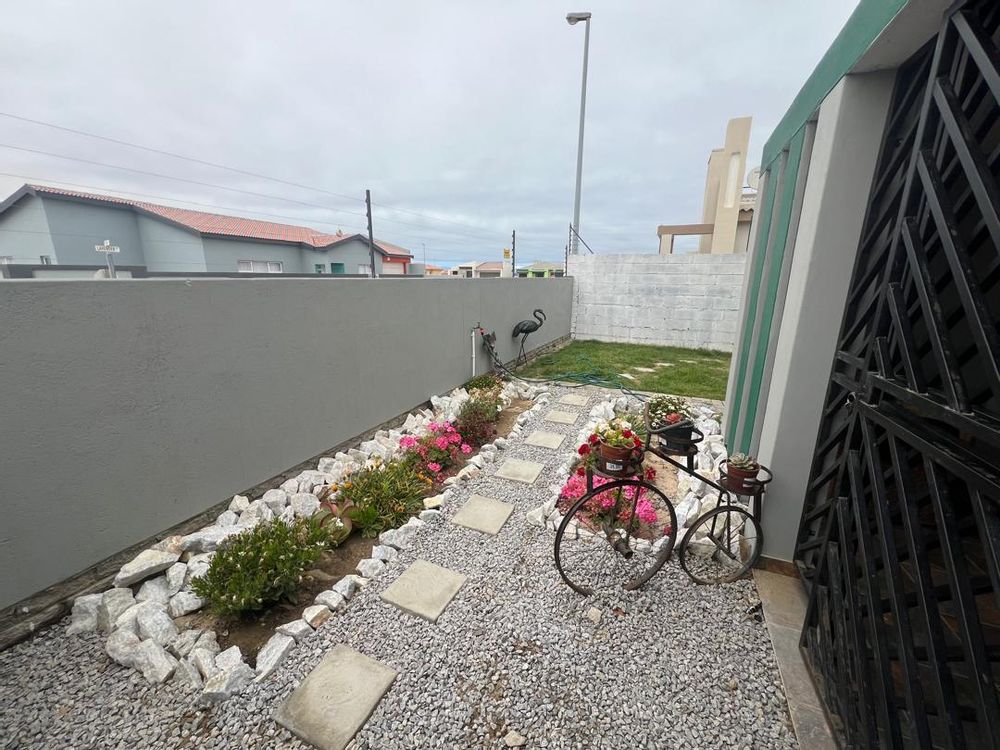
(742, 468)
(615, 441)
(670, 419)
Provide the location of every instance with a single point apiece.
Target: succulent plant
(743, 461)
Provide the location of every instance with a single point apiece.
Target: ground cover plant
(382, 496)
(685, 372)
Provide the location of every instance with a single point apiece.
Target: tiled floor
(784, 602)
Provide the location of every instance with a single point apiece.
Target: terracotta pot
(613, 452)
(744, 477)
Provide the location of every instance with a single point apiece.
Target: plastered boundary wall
(129, 406)
(687, 300)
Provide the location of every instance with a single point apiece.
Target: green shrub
(261, 566)
(486, 381)
(477, 416)
(383, 496)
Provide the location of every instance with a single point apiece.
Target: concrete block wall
(688, 300)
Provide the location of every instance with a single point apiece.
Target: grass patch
(690, 372)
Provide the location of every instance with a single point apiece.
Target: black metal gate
(899, 542)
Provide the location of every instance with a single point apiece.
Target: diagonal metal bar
(924, 284)
(893, 578)
(988, 520)
(965, 611)
(981, 49)
(976, 310)
(944, 687)
(885, 693)
(904, 331)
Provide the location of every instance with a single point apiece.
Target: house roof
(490, 265)
(542, 266)
(219, 225)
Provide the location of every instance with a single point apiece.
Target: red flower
(638, 443)
(583, 450)
(593, 439)
(626, 433)
(674, 418)
(581, 471)
(650, 473)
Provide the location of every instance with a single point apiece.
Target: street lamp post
(573, 19)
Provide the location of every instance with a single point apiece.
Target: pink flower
(407, 441)
(454, 438)
(441, 442)
(434, 427)
(435, 467)
(466, 448)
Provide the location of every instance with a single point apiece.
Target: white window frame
(365, 269)
(6, 260)
(259, 266)
(46, 260)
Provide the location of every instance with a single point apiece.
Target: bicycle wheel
(722, 545)
(616, 536)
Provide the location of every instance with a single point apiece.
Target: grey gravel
(514, 655)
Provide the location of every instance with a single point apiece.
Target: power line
(236, 170)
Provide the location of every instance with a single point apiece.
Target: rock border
(140, 625)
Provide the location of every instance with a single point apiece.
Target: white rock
(204, 662)
(429, 515)
(708, 426)
(155, 589)
(384, 553)
(297, 629)
(127, 620)
(156, 625)
(226, 683)
(184, 643)
(239, 503)
(147, 563)
(304, 504)
(154, 662)
(84, 617)
(184, 602)
(469, 472)
(328, 465)
(500, 443)
(287, 515)
(346, 587)
(273, 653)
(229, 658)
(275, 500)
(208, 538)
(316, 615)
(175, 576)
(256, 513)
(121, 647)
(197, 566)
(187, 674)
(435, 501)
(113, 603)
(332, 600)
(227, 518)
(537, 516)
(290, 486)
(400, 538)
(208, 642)
(371, 568)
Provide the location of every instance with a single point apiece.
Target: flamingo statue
(523, 329)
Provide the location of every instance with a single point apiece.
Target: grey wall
(170, 248)
(24, 232)
(224, 255)
(687, 300)
(129, 406)
(77, 227)
(350, 253)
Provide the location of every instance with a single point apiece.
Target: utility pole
(371, 239)
(513, 254)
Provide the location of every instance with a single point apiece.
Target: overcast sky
(460, 112)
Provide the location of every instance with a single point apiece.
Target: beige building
(727, 209)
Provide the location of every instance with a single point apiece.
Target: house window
(258, 266)
(337, 268)
(364, 269)
(6, 260)
(46, 260)
(319, 267)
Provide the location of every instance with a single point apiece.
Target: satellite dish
(753, 178)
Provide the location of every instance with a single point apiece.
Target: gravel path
(673, 665)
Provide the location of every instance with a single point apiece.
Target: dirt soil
(250, 633)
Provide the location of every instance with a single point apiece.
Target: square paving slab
(520, 471)
(545, 439)
(424, 589)
(561, 417)
(336, 699)
(574, 399)
(483, 514)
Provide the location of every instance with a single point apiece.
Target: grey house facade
(49, 226)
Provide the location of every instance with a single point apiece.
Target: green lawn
(682, 372)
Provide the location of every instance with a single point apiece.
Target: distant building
(49, 226)
(539, 270)
(431, 270)
(477, 270)
(727, 208)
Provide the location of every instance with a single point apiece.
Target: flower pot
(678, 437)
(613, 460)
(742, 477)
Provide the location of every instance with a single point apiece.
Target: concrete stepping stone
(519, 470)
(544, 439)
(574, 399)
(424, 589)
(664, 364)
(626, 376)
(336, 699)
(561, 417)
(645, 369)
(483, 514)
